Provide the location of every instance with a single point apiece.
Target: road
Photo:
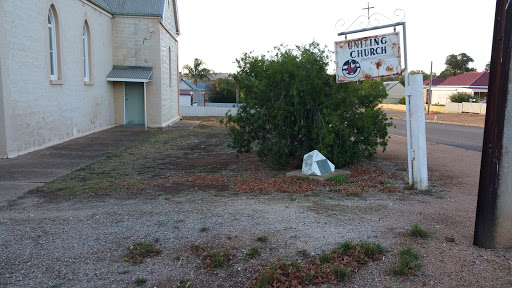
(465, 137)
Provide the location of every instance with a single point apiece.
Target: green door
(134, 103)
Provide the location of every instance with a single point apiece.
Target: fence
(206, 111)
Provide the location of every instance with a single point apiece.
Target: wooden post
(493, 224)
(418, 134)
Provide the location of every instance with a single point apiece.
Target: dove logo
(351, 68)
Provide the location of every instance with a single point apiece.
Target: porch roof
(130, 73)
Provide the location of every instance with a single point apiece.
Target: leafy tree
(197, 72)
(291, 106)
(457, 64)
(487, 67)
(222, 91)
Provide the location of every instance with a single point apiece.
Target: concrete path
(22, 173)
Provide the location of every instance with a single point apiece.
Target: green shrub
(460, 97)
(291, 106)
(402, 101)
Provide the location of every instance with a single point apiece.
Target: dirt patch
(170, 191)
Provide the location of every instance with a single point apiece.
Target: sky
(218, 32)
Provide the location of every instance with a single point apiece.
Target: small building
(69, 68)
(395, 91)
(475, 83)
(187, 88)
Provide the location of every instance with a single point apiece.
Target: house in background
(69, 68)
(395, 91)
(190, 94)
(475, 83)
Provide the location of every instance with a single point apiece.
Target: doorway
(134, 104)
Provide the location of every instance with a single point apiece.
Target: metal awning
(130, 74)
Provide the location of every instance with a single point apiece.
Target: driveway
(25, 172)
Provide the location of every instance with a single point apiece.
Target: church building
(69, 68)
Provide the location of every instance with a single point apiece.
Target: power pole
(494, 207)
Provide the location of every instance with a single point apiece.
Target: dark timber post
(493, 225)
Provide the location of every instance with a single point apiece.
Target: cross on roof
(368, 9)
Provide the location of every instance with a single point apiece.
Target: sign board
(368, 58)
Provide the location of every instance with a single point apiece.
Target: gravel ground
(81, 242)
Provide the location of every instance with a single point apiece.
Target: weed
(266, 278)
(159, 193)
(216, 258)
(353, 194)
(178, 258)
(204, 229)
(341, 273)
(253, 252)
(293, 198)
(139, 251)
(407, 262)
(345, 246)
(338, 179)
(124, 272)
(196, 248)
(185, 283)
(329, 267)
(418, 232)
(326, 257)
(140, 281)
(311, 194)
(371, 249)
(167, 198)
(262, 238)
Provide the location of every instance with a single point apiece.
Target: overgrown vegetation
(460, 97)
(139, 251)
(418, 231)
(331, 267)
(291, 106)
(407, 263)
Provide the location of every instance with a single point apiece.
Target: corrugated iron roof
(391, 84)
(130, 73)
(133, 7)
(464, 80)
(435, 81)
(470, 79)
(190, 84)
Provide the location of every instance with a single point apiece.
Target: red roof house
(475, 83)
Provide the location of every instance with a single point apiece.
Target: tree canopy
(197, 72)
(457, 64)
(291, 106)
(222, 91)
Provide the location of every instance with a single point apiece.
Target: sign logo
(351, 68)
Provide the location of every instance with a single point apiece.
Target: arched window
(52, 30)
(86, 49)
